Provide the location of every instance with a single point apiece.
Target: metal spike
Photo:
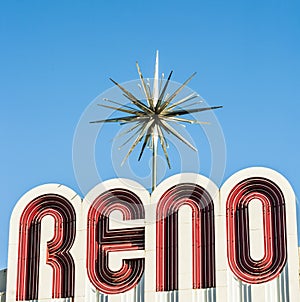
(117, 103)
(132, 98)
(163, 145)
(184, 100)
(183, 112)
(161, 97)
(168, 127)
(127, 131)
(136, 112)
(178, 119)
(146, 140)
(148, 97)
(131, 137)
(118, 119)
(168, 101)
(137, 140)
(192, 104)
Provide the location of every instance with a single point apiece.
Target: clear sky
(57, 56)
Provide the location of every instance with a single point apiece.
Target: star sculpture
(151, 117)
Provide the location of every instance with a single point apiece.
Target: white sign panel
(188, 241)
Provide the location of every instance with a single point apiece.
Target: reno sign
(188, 241)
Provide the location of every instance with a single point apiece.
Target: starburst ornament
(152, 116)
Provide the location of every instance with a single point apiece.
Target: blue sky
(57, 56)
